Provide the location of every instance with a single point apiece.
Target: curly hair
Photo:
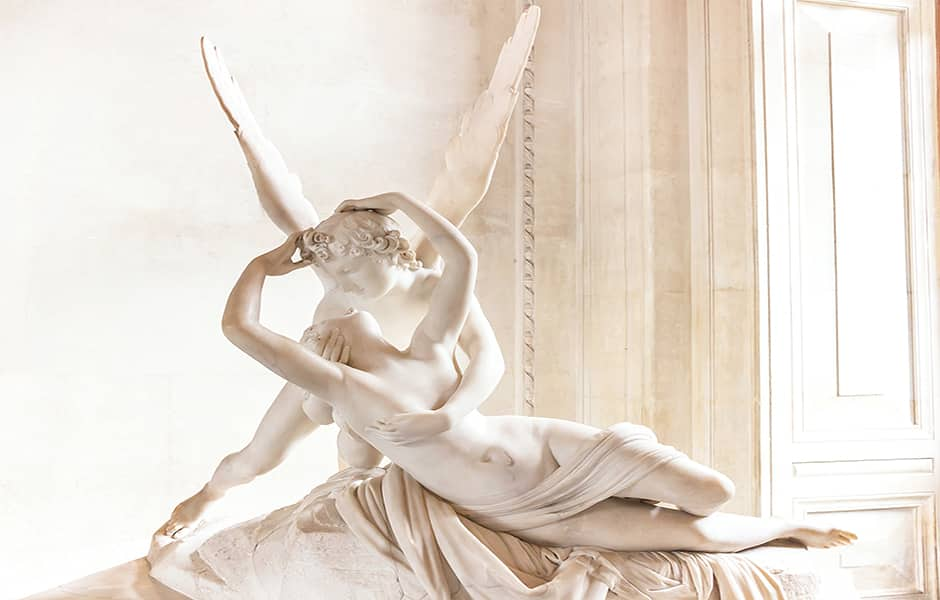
(358, 233)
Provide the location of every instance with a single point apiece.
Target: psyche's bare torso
(495, 457)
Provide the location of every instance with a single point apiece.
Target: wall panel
(851, 294)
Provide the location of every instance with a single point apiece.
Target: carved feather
(471, 154)
(279, 190)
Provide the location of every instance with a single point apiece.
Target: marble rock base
(128, 581)
(315, 557)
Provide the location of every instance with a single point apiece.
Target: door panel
(849, 125)
(893, 559)
(853, 236)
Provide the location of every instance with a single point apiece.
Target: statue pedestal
(806, 574)
(128, 581)
(278, 556)
(255, 560)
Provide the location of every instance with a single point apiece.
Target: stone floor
(130, 581)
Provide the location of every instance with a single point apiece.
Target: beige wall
(128, 212)
(645, 279)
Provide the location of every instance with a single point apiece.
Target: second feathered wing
(278, 189)
(469, 159)
(471, 154)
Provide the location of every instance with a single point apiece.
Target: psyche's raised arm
(285, 357)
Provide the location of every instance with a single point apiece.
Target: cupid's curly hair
(358, 233)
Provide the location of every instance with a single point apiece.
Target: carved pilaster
(528, 233)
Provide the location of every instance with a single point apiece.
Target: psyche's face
(367, 277)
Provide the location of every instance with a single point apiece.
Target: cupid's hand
(280, 260)
(383, 204)
(410, 427)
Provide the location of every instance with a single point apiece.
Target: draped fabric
(455, 552)
(624, 454)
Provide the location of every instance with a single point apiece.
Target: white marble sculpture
(472, 506)
(396, 292)
(494, 507)
(308, 552)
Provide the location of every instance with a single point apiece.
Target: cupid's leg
(282, 426)
(630, 525)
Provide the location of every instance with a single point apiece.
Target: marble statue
(487, 465)
(471, 506)
(396, 292)
(463, 508)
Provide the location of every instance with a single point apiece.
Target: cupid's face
(367, 277)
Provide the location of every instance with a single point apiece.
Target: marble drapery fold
(307, 552)
(451, 556)
(621, 455)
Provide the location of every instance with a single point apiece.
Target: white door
(846, 91)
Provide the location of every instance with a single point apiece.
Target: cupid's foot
(187, 514)
(813, 536)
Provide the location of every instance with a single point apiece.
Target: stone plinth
(280, 557)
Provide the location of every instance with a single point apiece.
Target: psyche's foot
(187, 514)
(813, 536)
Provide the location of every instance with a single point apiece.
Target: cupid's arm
(283, 356)
(278, 189)
(484, 369)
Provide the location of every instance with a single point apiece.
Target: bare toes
(848, 536)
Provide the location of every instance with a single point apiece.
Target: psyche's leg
(693, 487)
(629, 525)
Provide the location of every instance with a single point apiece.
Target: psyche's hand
(410, 427)
(332, 346)
(280, 261)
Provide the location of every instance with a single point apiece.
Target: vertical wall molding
(702, 233)
(725, 360)
(526, 222)
(580, 44)
(641, 393)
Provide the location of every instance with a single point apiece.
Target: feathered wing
(279, 190)
(471, 154)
